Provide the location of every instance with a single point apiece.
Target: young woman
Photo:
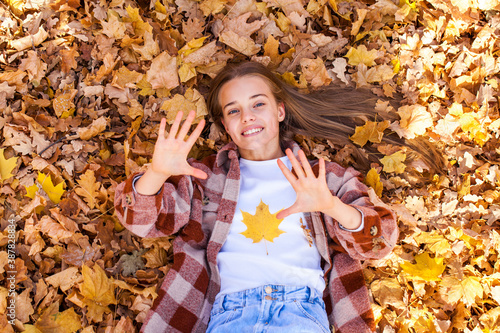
(266, 241)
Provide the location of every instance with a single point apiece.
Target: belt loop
(312, 294)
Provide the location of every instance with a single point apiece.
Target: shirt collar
(230, 152)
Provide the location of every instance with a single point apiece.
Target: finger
(286, 212)
(287, 173)
(295, 164)
(322, 172)
(198, 173)
(161, 131)
(175, 126)
(186, 126)
(196, 133)
(305, 164)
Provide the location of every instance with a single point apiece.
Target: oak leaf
(88, 188)
(262, 225)
(242, 44)
(426, 268)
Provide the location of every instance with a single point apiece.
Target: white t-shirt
(290, 259)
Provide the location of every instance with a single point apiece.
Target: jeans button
(268, 290)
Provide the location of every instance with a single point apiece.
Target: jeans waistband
(270, 292)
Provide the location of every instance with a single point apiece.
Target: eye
(232, 111)
(258, 105)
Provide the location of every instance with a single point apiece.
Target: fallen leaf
(98, 292)
(426, 268)
(6, 166)
(394, 163)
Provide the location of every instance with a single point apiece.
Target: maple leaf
(262, 225)
(467, 289)
(370, 131)
(314, 72)
(150, 48)
(6, 166)
(394, 162)
(53, 321)
(98, 292)
(212, 7)
(53, 192)
(426, 268)
(415, 119)
(361, 55)
(63, 103)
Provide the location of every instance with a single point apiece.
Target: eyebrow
(234, 102)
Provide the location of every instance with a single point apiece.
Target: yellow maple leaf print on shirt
(262, 225)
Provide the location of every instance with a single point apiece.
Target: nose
(247, 115)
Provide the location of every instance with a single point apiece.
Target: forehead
(244, 87)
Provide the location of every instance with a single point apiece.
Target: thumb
(198, 173)
(286, 212)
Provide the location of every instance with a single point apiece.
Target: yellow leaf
(163, 72)
(370, 131)
(394, 162)
(262, 225)
(361, 55)
(192, 46)
(472, 126)
(415, 119)
(98, 292)
(53, 321)
(6, 166)
(54, 192)
(212, 7)
(186, 72)
(88, 188)
(63, 104)
(373, 180)
(283, 22)
(426, 268)
(466, 290)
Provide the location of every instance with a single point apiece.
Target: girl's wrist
(349, 217)
(150, 182)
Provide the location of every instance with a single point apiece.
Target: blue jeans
(269, 308)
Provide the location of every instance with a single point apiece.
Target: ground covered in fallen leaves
(83, 85)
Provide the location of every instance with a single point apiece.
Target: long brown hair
(330, 113)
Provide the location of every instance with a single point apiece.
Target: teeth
(255, 130)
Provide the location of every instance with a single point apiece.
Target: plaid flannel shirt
(200, 211)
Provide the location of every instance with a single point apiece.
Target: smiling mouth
(253, 131)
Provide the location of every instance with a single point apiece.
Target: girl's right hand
(170, 155)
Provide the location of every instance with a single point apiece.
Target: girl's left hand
(312, 192)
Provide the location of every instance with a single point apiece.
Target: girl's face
(251, 116)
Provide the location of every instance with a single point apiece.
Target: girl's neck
(259, 155)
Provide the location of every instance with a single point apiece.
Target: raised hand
(313, 194)
(170, 154)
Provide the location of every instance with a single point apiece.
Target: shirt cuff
(361, 227)
(136, 178)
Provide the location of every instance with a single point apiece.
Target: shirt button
(373, 230)
(268, 298)
(268, 290)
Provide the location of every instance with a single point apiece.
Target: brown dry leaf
(68, 58)
(53, 321)
(370, 131)
(314, 72)
(415, 119)
(163, 72)
(242, 44)
(97, 126)
(65, 279)
(88, 188)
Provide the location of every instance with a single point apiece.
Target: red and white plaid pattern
(199, 212)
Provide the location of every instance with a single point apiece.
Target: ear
(223, 124)
(281, 111)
